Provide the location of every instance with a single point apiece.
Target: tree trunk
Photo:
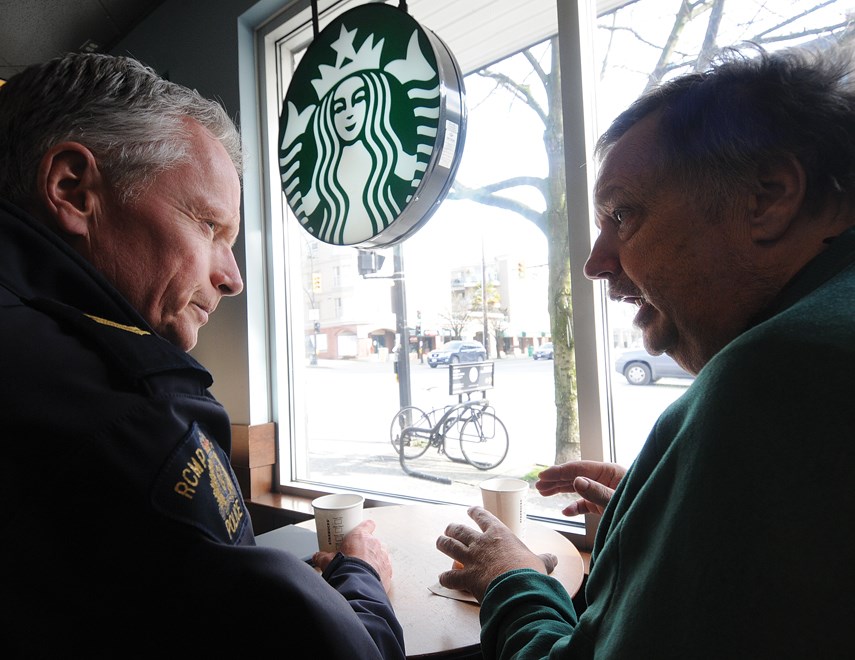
(567, 444)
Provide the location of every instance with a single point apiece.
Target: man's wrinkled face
(663, 252)
(169, 251)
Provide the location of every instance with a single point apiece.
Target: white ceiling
(33, 31)
(478, 32)
(505, 27)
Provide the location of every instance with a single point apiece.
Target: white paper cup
(335, 516)
(505, 498)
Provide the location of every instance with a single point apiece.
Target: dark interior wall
(196, 43)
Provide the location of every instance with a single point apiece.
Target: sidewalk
(381, 472)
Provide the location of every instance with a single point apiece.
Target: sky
(504, 136)
(500, 135)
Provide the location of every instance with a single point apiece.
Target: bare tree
(493, 298)
(494, 316)
(458, 317)
(498, 324)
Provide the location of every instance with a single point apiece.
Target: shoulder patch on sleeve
(197, 486)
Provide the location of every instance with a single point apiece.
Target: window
(475, 271)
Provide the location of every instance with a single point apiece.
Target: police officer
(124, 529)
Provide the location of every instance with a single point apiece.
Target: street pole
(399, 297)
(484, 298)
(315, 316)
(400, 305)
(314, 359)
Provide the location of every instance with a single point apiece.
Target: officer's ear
(68, 185)
(778, 198)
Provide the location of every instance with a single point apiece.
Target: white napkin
(455, 594)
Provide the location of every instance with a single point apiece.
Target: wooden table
(434, 624)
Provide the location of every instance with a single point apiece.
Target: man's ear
(778, 198)
(67, 186)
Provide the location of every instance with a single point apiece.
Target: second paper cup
(505, 498)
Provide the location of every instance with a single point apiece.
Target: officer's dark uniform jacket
(124, 531)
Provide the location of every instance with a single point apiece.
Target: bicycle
(473, 423)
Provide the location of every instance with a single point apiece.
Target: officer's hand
(362, 543)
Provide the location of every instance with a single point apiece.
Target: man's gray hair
(714, 128)
(132, 120)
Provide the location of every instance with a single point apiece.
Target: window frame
(576, 22)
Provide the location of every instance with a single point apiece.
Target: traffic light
(369, 262)
(317, 327)
(316, 282)
(521, 269)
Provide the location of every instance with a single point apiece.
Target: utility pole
(484, 298)
(368, 263)
(399, 295)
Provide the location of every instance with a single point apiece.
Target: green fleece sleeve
(525, 614)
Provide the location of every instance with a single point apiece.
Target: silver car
(456, 351)
(544, 352)
(641, 368)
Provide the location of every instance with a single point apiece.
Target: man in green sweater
(726, 208)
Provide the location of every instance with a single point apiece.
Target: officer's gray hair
(132, 120)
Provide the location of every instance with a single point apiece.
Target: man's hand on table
(486, 554)
(362, 544)
(593, 481)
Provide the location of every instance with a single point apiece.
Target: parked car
(457, 351)
(543, 352)
(641, 368)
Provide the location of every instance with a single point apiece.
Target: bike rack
(463, 380)
(421, 475)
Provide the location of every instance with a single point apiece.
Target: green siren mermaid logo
(359, 125)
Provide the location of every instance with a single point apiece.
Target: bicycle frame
(482, 435)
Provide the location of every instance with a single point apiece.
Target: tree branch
(535, 65)
(806, 12)
(487, 195)
(520, 91)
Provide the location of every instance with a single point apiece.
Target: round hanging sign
(372, 128)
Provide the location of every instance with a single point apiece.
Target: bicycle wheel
(484, 440)
(410, 431)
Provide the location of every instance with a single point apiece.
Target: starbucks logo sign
(372, 128)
